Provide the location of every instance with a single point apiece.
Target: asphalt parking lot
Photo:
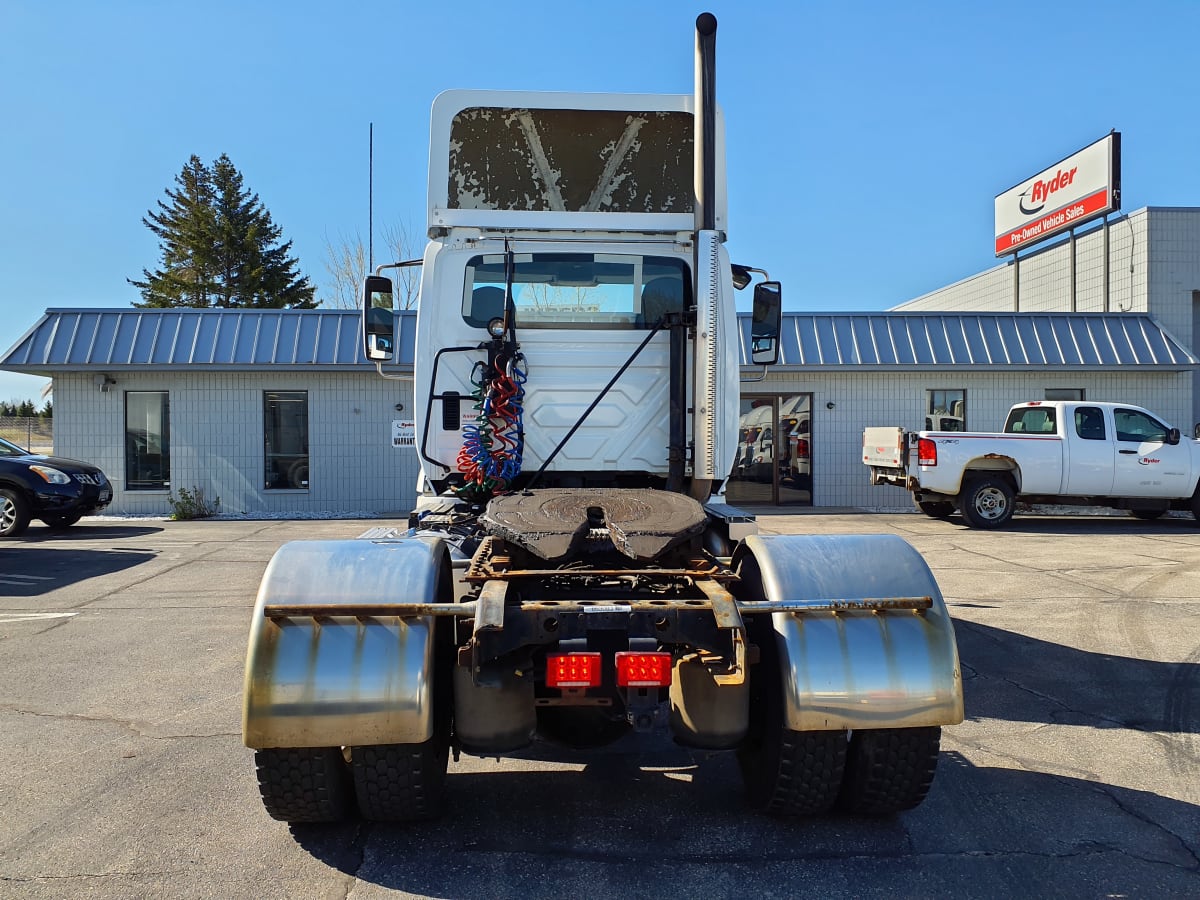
(1076, 773)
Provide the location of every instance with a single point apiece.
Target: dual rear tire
(387, 783)
(873, 773)
(876, 772)
(868, 772)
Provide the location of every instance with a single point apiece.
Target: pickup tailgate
(884, 447)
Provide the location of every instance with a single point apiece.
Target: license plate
(105, 495)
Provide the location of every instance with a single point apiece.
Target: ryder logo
(1148, 461)
(1039, 192)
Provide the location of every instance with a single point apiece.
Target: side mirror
(1173, 436)
(741, 276)
(379, 330)
(766, 323)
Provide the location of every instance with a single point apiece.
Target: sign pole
(1072, 242)
(1016, 282)
(1106, 266)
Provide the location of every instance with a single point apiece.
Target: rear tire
(889, 770)
(785, 772)
(936, 509)
(400, 782)
(1148, 515)
(304, 784)
(14, 512)
(987, 501)
(793, 773)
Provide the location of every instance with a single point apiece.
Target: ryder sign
(1083, 186)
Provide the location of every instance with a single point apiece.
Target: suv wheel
(14, 512)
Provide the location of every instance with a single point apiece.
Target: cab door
(1092, 451)
(1146, 465)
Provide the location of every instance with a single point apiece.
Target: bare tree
(347, 264)
(575, 298)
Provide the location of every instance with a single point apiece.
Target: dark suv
(57, 491)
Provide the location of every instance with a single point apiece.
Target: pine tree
(219, 246)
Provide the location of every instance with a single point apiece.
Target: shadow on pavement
(1022, 679)
(27, 571)
(1116, 525)
(38, 533)
(675, 830)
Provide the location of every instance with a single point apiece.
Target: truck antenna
(370, 196)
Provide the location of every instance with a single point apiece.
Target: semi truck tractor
(570, 574)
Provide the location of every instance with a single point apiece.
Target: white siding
(840, 478)
(1045, 276)
(1174, 241)
(217, 439)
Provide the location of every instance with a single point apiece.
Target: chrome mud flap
(855, 661)
(322, 672)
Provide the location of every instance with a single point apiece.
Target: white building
(1153, 267)
(277, 411)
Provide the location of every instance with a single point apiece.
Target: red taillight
(926, 452)
(802, 448)
(573, 670)
(643, 669)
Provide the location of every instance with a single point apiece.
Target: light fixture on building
(829, 405)
(104, 383)
(399, 407)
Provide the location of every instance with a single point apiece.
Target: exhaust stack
(706, 121)
(709, 327)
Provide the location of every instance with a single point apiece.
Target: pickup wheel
(304, 784)
(987, 501)
(14, 512)
(936, 509)
(1148, 514)
(889, 770)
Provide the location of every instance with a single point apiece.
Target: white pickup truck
(1050, 452)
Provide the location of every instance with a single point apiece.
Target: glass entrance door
(774, 456)
(794, 471)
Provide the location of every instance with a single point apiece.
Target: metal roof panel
(77, 339)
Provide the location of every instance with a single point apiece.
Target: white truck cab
(570, 218)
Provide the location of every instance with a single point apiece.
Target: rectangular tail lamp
(573, 670)
(643, 669)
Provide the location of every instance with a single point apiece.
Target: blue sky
(866, 140)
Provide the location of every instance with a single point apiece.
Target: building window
(147, 441)
(285, 439)
(946, 410)
(1064, 394)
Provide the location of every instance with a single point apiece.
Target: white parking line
(10, 578)
(34, 617)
